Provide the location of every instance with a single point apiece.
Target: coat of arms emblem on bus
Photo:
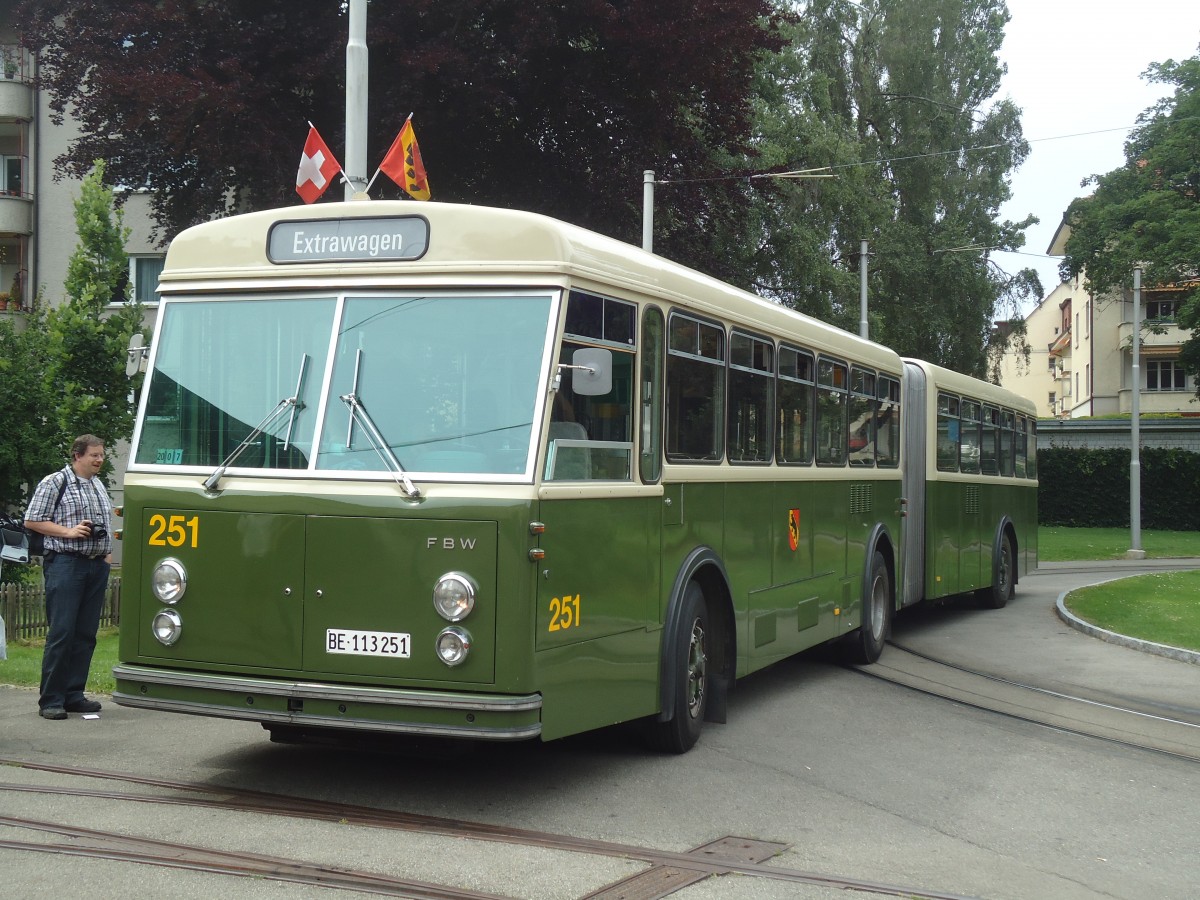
(793, 528)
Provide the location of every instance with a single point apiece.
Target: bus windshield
(451, 382)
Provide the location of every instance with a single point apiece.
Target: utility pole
(356, 102)
(648, 210)
(862, 291)
(1135, 437)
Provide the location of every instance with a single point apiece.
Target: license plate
(367, 643)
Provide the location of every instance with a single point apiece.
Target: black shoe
(53, 712)
(84, 706)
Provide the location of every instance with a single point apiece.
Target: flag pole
(356, 103)
(379, 168)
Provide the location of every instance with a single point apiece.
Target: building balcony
(16, 100)
(1151, 402)
(1170, 340)
(16, 214)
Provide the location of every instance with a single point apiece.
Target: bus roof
(949, 380)
(481, 243)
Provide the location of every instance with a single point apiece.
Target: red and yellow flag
(403, 163)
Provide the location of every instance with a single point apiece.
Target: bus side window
(652, 395)
(695, 389)
(862, 417)
(832, 405)
(947, 433)
(887, 424)
(797, 372)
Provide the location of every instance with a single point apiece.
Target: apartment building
(37, 213)
(1081, 359)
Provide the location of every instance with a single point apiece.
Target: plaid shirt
(84, 499)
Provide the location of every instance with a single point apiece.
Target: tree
(87, 339)
(33, 441)
(898, 102)
(551, 107)
(1147, 212)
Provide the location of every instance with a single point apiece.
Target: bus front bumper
(273, 701)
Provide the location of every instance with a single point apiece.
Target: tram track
(667, 871)
(1142, 729)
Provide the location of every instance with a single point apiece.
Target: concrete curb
(1123, 640)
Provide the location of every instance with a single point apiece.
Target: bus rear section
(973, 494)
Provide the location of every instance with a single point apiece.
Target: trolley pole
(1135, 437)
(648, 210)
(862, 291)
(356, 102)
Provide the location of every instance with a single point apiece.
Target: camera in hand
(98, 530)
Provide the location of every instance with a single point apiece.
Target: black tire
(865, 644)
(679, 733)
(1003, 573)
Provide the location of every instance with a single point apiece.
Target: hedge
(1090, 488)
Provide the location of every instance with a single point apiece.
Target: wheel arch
(705, 567)
(880, 541)
(1006, 528)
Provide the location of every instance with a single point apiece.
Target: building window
(1162, 310)
(143, 276)
(12, 171)
(1053, 365)
(1053, 402)
(1165, 375)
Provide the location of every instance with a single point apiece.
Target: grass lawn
(1163, 607)
(1073, 544)
(24, 663)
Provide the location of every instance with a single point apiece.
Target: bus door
(598, 577)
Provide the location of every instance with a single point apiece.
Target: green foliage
(555, 108)
(32, 443)
(88, 339)
(1090, 488)
(897, 103)
(1147, 212)
(63, 371)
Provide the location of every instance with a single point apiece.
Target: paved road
(859, 778)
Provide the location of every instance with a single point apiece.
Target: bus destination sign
(386, 239)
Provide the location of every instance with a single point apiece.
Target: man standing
(71, 508)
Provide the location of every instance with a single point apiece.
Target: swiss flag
(317, 167)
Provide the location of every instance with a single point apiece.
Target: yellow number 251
(174, 532)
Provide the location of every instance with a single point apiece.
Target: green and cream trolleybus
(468, 472)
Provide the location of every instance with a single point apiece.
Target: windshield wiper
(358, 413)
(294, 403)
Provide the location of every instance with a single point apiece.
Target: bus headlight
(454, 596)
(453, 645)
(167, 626)
(169, 580)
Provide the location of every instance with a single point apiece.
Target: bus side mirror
(592, 369)
(136, 355)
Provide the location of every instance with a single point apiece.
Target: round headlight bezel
(454, 596)
(172, 591)
(457, 641)
(169, 635)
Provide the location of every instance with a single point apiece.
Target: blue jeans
(74, 598)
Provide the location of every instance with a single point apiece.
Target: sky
(1074, 70)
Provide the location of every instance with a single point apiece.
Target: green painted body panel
(962, 523)
(784, 600)
(251, 604)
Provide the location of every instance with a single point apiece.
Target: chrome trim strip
(223, 712)
(395, 697)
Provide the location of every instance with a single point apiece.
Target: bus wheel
(865, 644)
(679, 733)
(997, 596)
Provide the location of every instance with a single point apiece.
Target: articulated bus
(475, 473)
